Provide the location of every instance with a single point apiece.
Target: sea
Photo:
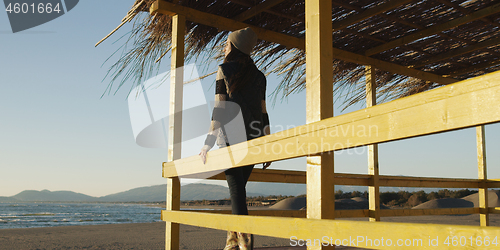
(37, 214)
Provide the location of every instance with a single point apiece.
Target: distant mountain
(199, 191)
(7, 199)
(147, 194)
(195, 191)
(46, 195)
(151, 193)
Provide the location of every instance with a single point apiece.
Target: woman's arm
(219, 106)
(265, 118)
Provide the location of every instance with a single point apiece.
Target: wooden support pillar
(319, 106)
(481, 165)
(175, 125)
(373, 189)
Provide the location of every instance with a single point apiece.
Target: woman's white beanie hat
(243, 39)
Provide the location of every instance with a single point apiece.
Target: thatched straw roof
(452, 39)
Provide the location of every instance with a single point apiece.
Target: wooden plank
(175, 126)
(270, 175)
(223, 23)
(402, 181)
(172, 204)
(419, 212)
(467, 104)
(253, 11)
(458, 52)
(493, 183)
(319, 106)
(481, 167)
(269, 212)
(494, 210)
(435, 29)
(359, 213)
(373, 189)
(299, 177)
(299, 228)
(389, 5)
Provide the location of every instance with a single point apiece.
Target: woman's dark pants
(237, 180)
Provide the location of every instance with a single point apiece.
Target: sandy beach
(119, 236)
(151, 235)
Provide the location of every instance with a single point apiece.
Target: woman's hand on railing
(266, 165)
(203, 154)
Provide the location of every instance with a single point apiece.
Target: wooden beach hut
(432, 62)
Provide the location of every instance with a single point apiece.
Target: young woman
(240, 87)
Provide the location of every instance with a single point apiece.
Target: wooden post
(175, 126)
(319, 106)
(481, 165)
(373, 189)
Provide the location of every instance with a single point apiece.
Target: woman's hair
(246, 68)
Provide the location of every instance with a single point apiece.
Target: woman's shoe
(232, 241)
(245, 241)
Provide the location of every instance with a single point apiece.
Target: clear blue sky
(58, 134)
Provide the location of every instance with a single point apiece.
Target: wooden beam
(435, 29)
(404, 181)
(373, 189)
(389, 5)
(494, 210)
(299, 228)
(475, 67)
(481, 167)
(299, 177)
(175, 126)
(269, 212)
(276, 13)
(413, 25)
(253, 11)
(466, 11)
(493, 183)
(457, 52)
(223, 23)
(466, 104)
(270, 175)
(319, 106)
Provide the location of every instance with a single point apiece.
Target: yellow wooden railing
(470, 103)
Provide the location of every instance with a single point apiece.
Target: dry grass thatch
(150, 39)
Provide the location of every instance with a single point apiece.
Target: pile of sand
(468, 201)
(299, 203)
(444, 203)
(292, 203)
(493, 198)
